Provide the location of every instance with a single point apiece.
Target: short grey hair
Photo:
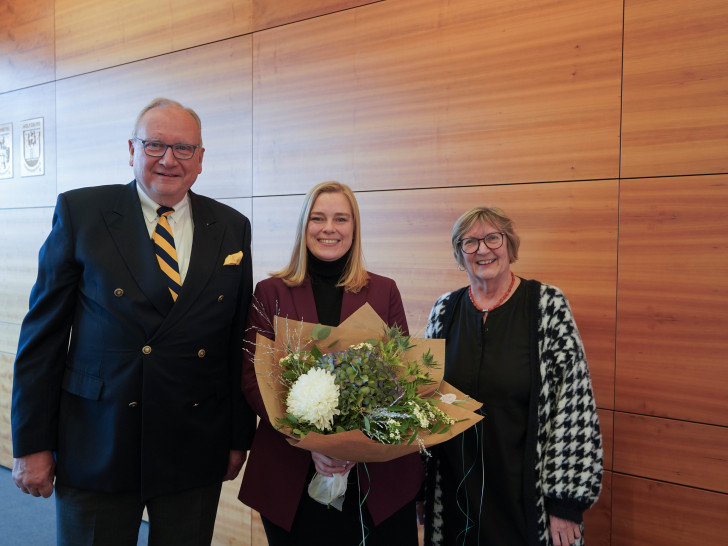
(491, 215)
(160, 102)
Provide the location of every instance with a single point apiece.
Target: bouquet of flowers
(359, 392)
(365, 387)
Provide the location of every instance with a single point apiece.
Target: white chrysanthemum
(314, 398)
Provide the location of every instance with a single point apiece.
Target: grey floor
(31, 521)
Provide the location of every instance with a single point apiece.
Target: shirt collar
(149, 206)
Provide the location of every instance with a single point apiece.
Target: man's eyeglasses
(157, 148)
(491, 240)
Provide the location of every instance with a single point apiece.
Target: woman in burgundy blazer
(327, 253)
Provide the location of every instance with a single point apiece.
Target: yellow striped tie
(166, 253)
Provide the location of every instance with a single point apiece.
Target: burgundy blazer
(275, 474)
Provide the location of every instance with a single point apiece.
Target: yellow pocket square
(234, 259)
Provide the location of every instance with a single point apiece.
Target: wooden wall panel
(274, 227)
(244, 206)
(96, 114)
(598, 519)
(97, 34)
(24, 230)
(675, 112)
(26, 44)
(672, 451)
(233, 524)
(569, 238)
(672, 297)
(16, 107)
(652, 512)
(267, 14)
(9, 334)
(606, 425)
(258, 537)
(6, 385)
(19, 263)
(424, 93)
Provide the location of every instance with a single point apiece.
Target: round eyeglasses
(470, 245)
(157, 148)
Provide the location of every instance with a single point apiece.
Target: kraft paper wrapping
(354, 445)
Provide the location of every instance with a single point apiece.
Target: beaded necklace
(498, 303)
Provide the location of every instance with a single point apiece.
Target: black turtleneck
(328, 297)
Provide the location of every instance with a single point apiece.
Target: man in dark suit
(127, 384)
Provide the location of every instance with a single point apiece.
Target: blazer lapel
(131, 237)
(352, 302)
(303, 303)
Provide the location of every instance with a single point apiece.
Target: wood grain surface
(97, 34)
(422, 93)
(268, 14)
(598, 519)
(27, 41)
(672, 296)
(6, 385)
(675, 111)
(654, 512)
(672, 451)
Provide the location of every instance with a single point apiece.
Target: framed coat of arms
(32, 163)
(6, 150)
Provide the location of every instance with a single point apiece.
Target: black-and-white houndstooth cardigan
(563, 441)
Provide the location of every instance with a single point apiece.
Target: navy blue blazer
(132, 391)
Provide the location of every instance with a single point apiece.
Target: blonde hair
(160, 102)
(355, 276)
(492, 215)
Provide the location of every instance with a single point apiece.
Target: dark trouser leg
(86, 518)
(184, 519)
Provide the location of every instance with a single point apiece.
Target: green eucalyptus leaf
(320, 332)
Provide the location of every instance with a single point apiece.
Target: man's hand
(235, 463)
(34, 473)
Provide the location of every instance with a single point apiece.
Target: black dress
(483, 467)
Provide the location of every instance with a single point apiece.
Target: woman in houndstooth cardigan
(527, 472)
